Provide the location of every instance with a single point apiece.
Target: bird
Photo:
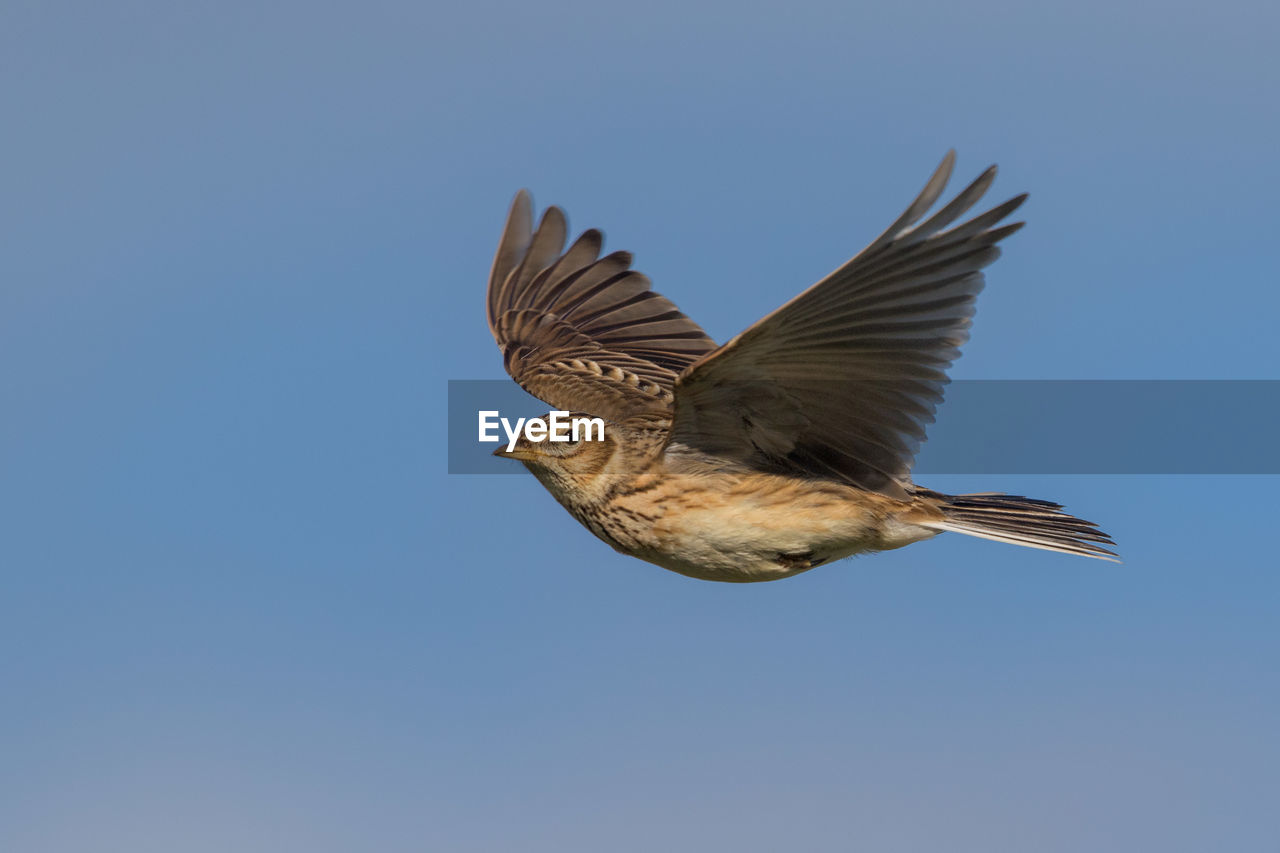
(786, 448)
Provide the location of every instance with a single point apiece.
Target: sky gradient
(245, 607)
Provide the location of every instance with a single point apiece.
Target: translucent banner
(1004, 426)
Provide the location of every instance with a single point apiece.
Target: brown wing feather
(581, 332)
(841, 382)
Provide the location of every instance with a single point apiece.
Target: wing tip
(937, 184)
(555, 217)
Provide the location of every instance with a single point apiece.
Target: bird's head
(569, 461)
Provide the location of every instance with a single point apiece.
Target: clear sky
(243, 607)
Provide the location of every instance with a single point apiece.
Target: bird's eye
(568, 446)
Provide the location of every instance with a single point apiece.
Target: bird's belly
(746, 540)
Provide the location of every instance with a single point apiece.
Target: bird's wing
(841, 381)
(581, 332)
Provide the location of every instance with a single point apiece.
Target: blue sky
(244, 607)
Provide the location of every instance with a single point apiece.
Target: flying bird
(786, 448)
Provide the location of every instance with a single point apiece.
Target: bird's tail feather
(1021, 521)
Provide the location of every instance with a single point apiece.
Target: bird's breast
(739, 527)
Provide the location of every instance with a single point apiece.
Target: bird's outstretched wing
(841, 381)
(581, 332)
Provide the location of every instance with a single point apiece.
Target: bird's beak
(518, 454)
